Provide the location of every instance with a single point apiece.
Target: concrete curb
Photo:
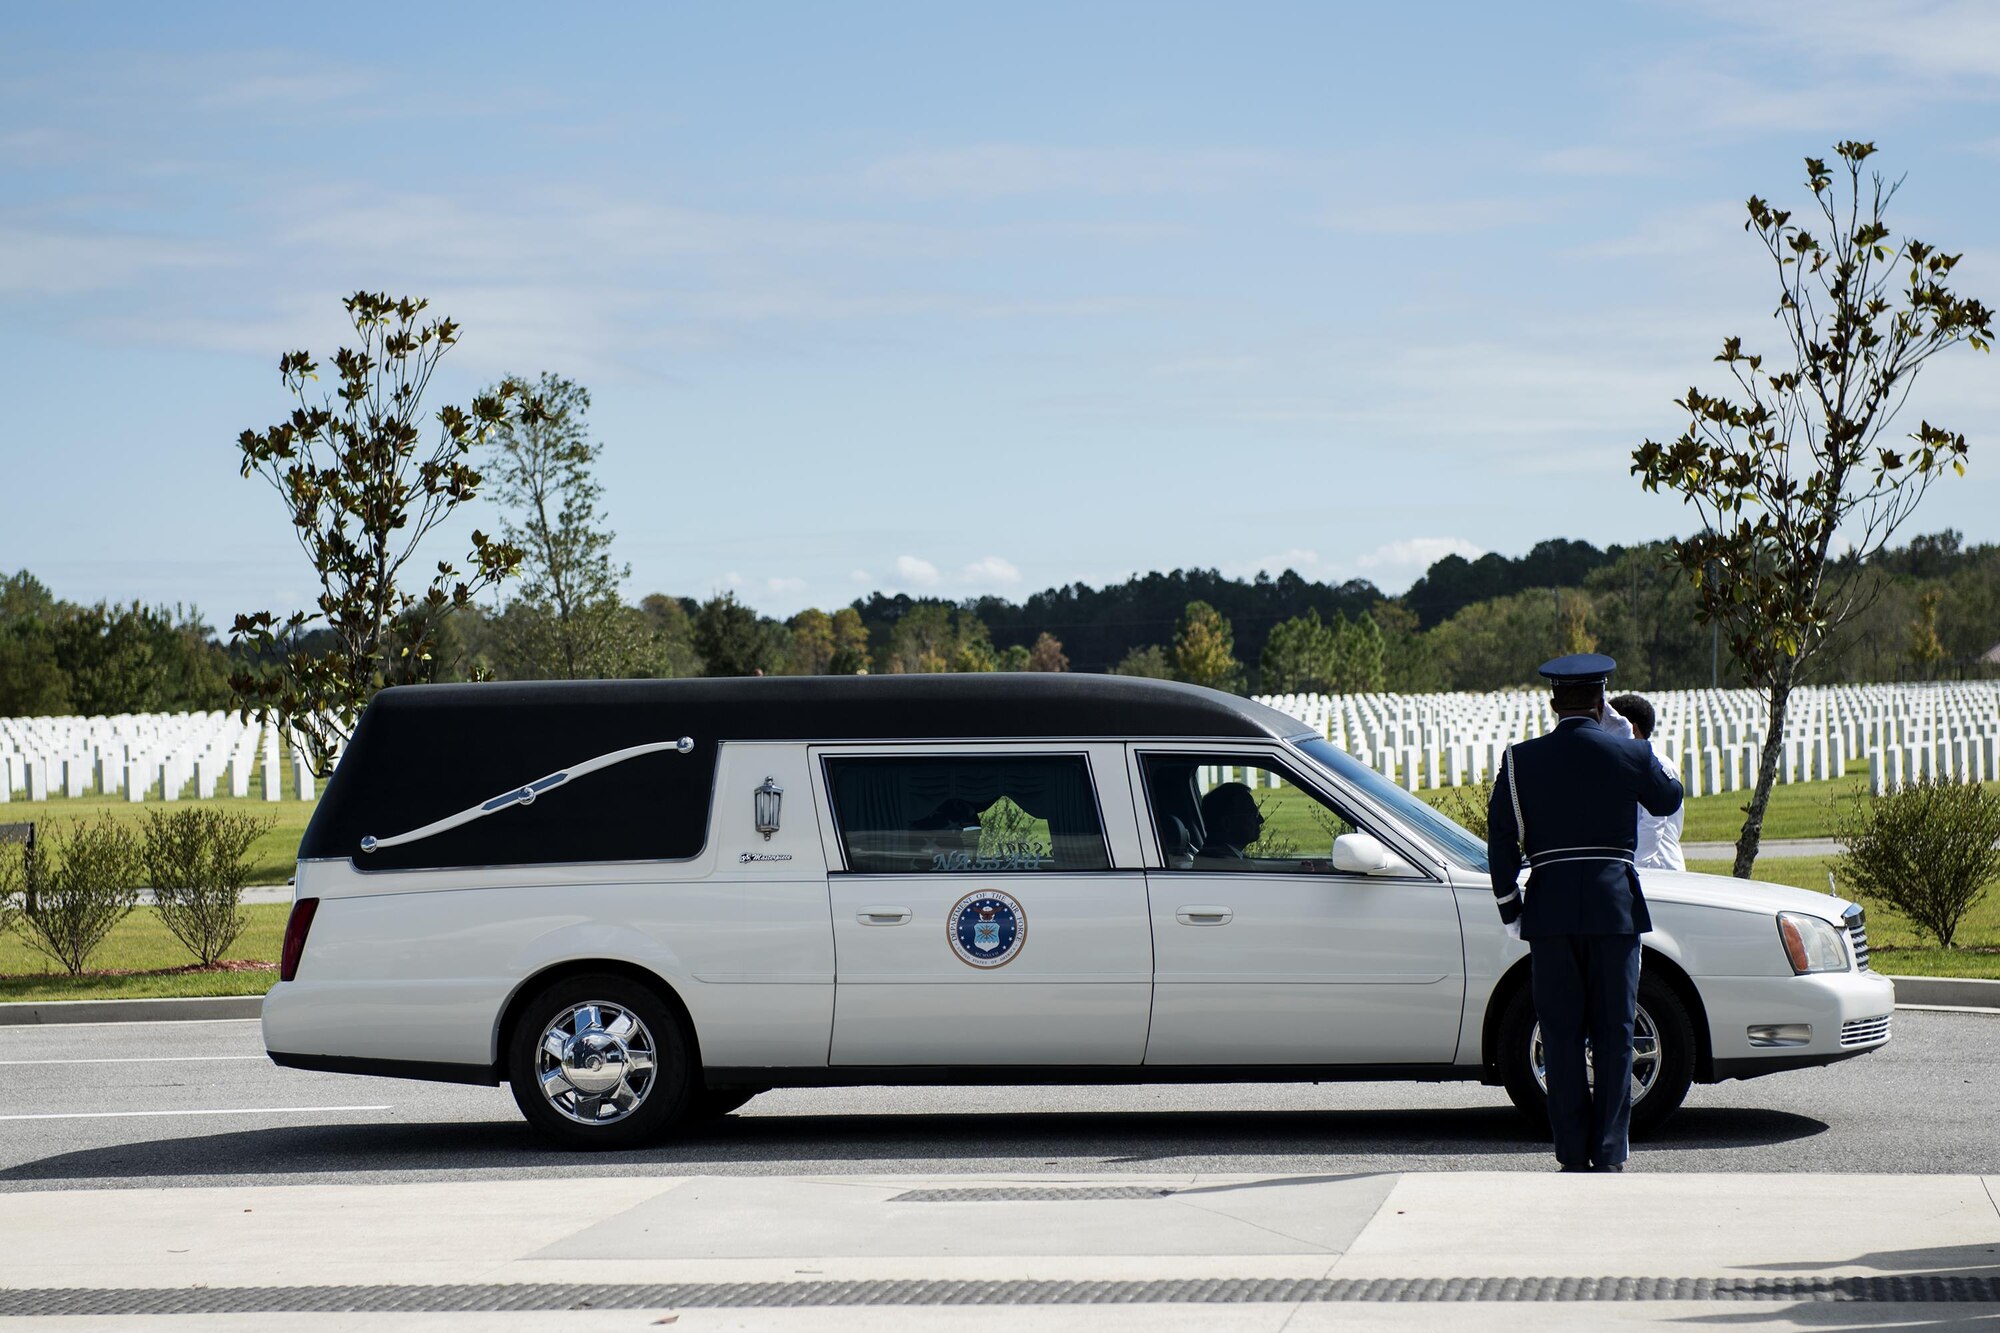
(181, 1009)
(1957, 992)
(1951, 992)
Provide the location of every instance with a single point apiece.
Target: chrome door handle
(1204, 916)
(882, 916)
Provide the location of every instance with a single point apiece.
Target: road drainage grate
(1031, 1194)
(552, 1296)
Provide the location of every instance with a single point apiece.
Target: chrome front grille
(1864, 1031)
(1857, 933)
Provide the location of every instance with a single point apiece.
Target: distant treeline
(1932, 609)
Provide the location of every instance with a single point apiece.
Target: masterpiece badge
(986, 928)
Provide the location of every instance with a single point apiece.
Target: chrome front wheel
(1645, 1057)
(1665, 1050)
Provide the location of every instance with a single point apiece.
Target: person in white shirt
(1659, 846)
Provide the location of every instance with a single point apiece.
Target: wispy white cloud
(1930, 39)
(1206, 367)
(998, 169)
(911, 569)
(1593, 160)
(44, 145)
(981, 575)
(1301, 560)
(591, 280)
(784, 584)
(315, 86)
(1392, 566)
(1692, 230)
(1413, 555)
(989, 570)
(49, 262)
(1442, 218)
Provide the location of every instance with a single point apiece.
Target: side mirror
(1364, 854)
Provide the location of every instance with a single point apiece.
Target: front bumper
(1848, 1014)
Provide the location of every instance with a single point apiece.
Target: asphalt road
(130, 1104)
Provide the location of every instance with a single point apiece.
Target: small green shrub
(198, 860)
(84, 881)
(1926, 851)
(1466, 806)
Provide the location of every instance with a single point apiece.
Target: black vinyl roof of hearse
(987, 704)
(422, 752)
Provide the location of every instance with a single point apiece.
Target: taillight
(296, 926)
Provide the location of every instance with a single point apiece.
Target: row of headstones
(137, 779)
(1363, 724)
(125, 753)
(1715, 735)
(1960, 759)
(137, 755)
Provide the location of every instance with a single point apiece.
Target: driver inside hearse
(1230, 816)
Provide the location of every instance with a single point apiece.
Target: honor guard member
(1567, 804)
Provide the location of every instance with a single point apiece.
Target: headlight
(1811, 944)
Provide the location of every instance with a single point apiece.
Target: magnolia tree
(1798, 453)
(363, 490)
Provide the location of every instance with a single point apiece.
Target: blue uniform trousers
(1587, 986)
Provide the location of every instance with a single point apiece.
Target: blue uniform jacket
(1580, 789)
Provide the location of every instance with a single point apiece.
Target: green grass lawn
(272, 857)
(1797, 810)
(141, 944)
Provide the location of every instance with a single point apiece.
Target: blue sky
(943, 299)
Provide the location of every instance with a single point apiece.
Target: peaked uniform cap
(1578, 669)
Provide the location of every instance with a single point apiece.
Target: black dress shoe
(1608, 1168)
(1566, 1167)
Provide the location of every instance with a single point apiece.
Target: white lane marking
(135, 1060)
(117, 1022)
(231, 1110)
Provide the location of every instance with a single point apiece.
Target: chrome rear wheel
(600, 1061)
(596, 1063)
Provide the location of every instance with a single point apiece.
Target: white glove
(1513, 929)
(1617, 723)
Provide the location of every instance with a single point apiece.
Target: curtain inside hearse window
(980, 814)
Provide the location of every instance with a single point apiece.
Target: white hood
(1742, 895)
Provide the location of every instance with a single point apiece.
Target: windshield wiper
(525, 795)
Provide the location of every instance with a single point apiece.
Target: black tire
(715, 1103)
(665, 1095)
(1661, 1007)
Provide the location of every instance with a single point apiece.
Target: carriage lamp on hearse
(768, 798)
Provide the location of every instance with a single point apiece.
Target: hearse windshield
(1454, 841)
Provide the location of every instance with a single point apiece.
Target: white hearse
(640, 902)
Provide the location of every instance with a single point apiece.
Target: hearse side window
(968, 814)
(1240, 813)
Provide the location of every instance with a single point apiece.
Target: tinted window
(980, 814)
(1239, 813)
(1456, 843)
(408, 767)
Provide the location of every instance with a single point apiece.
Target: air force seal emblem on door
(986, 928)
